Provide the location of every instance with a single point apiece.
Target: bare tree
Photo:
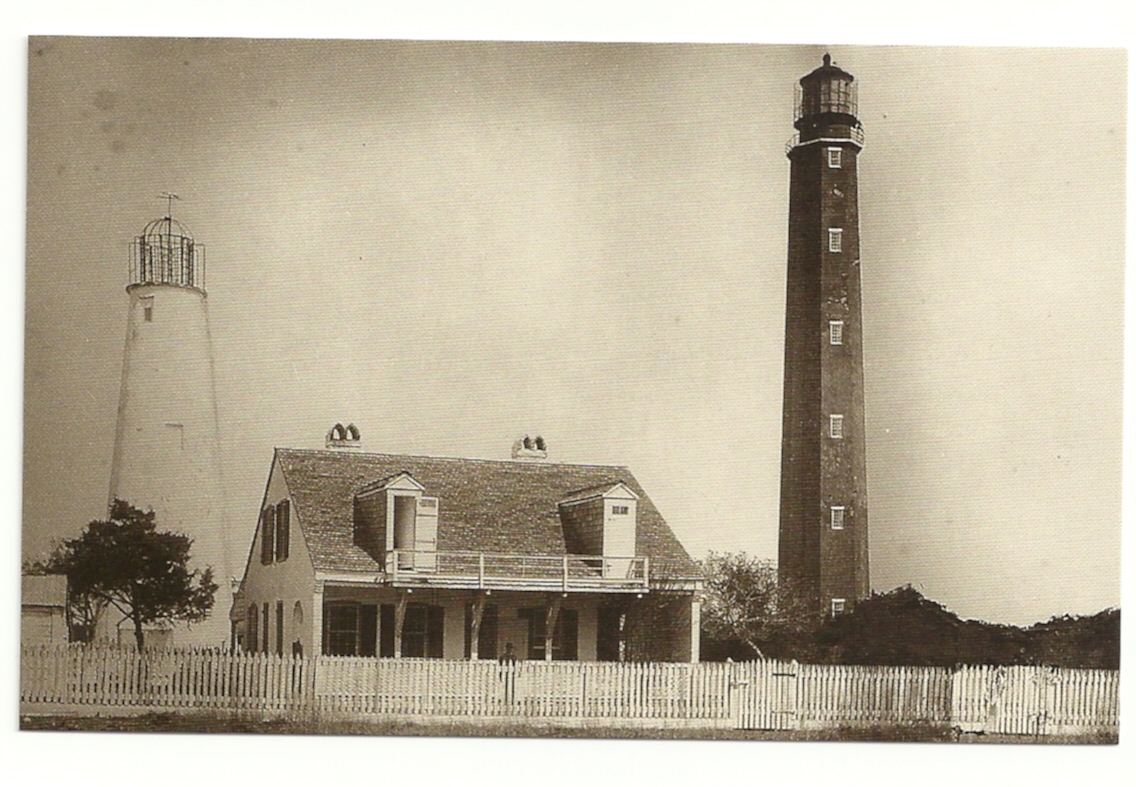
(744, 601)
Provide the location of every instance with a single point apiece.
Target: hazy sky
(456, 244)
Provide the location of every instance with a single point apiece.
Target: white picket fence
(754, 695)
(1035, 701)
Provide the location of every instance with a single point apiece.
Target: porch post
(695, 628)
(315, 646)
(550, 617)
(399, 616)
(475, 626)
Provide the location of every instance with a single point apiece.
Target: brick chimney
(530, 449)
(342, 438)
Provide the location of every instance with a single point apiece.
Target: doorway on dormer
(405, 519)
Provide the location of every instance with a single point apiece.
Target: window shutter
(386, 631)
(267, 535)
(252, 637)
(567, 627)
(426, 534)
(368, 629)
(265, 618)
(279, 628)
(487, 637)
(435, 625)
(283, 529)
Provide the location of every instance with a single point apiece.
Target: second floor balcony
(494, 571)
(855, 133)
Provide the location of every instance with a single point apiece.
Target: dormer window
(600, 520)
(404, 521)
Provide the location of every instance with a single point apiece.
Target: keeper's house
(362, 554)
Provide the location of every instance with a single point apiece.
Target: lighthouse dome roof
(166, 227)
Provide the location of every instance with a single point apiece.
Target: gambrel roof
(505, 507)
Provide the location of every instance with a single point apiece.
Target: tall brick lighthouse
(823, 549)
(166, 448)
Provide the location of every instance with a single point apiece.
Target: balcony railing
(856, 135)
(492, 571)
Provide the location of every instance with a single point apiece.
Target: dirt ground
(181, 723)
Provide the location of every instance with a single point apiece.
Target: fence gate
(763, 695)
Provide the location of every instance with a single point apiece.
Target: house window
(837, 517)
(836, 427)
(252, 639)
(837, 607)
(283, 534)
(422, 629)
(836, 331)
(565, 637)
(349, 629)
(341, 629)
(267, 535)
(835, 240)
(620, 510)
(834, 158)
(486, 634)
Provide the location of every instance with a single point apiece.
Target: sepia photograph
(505, 389)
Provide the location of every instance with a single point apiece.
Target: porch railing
(488, 570)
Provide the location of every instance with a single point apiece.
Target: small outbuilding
(43, 609)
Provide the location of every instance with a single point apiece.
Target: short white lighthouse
(166, 453)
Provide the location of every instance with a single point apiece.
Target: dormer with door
(601, 520)
(397, 524)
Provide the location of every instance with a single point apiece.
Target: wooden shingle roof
(484, 506)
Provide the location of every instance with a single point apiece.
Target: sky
(456, 244)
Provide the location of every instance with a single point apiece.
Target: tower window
(836, 331)
(837, 517)
(836, 427)
(148, 309)
(837, 607)
(834, 158)
(835, 240)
